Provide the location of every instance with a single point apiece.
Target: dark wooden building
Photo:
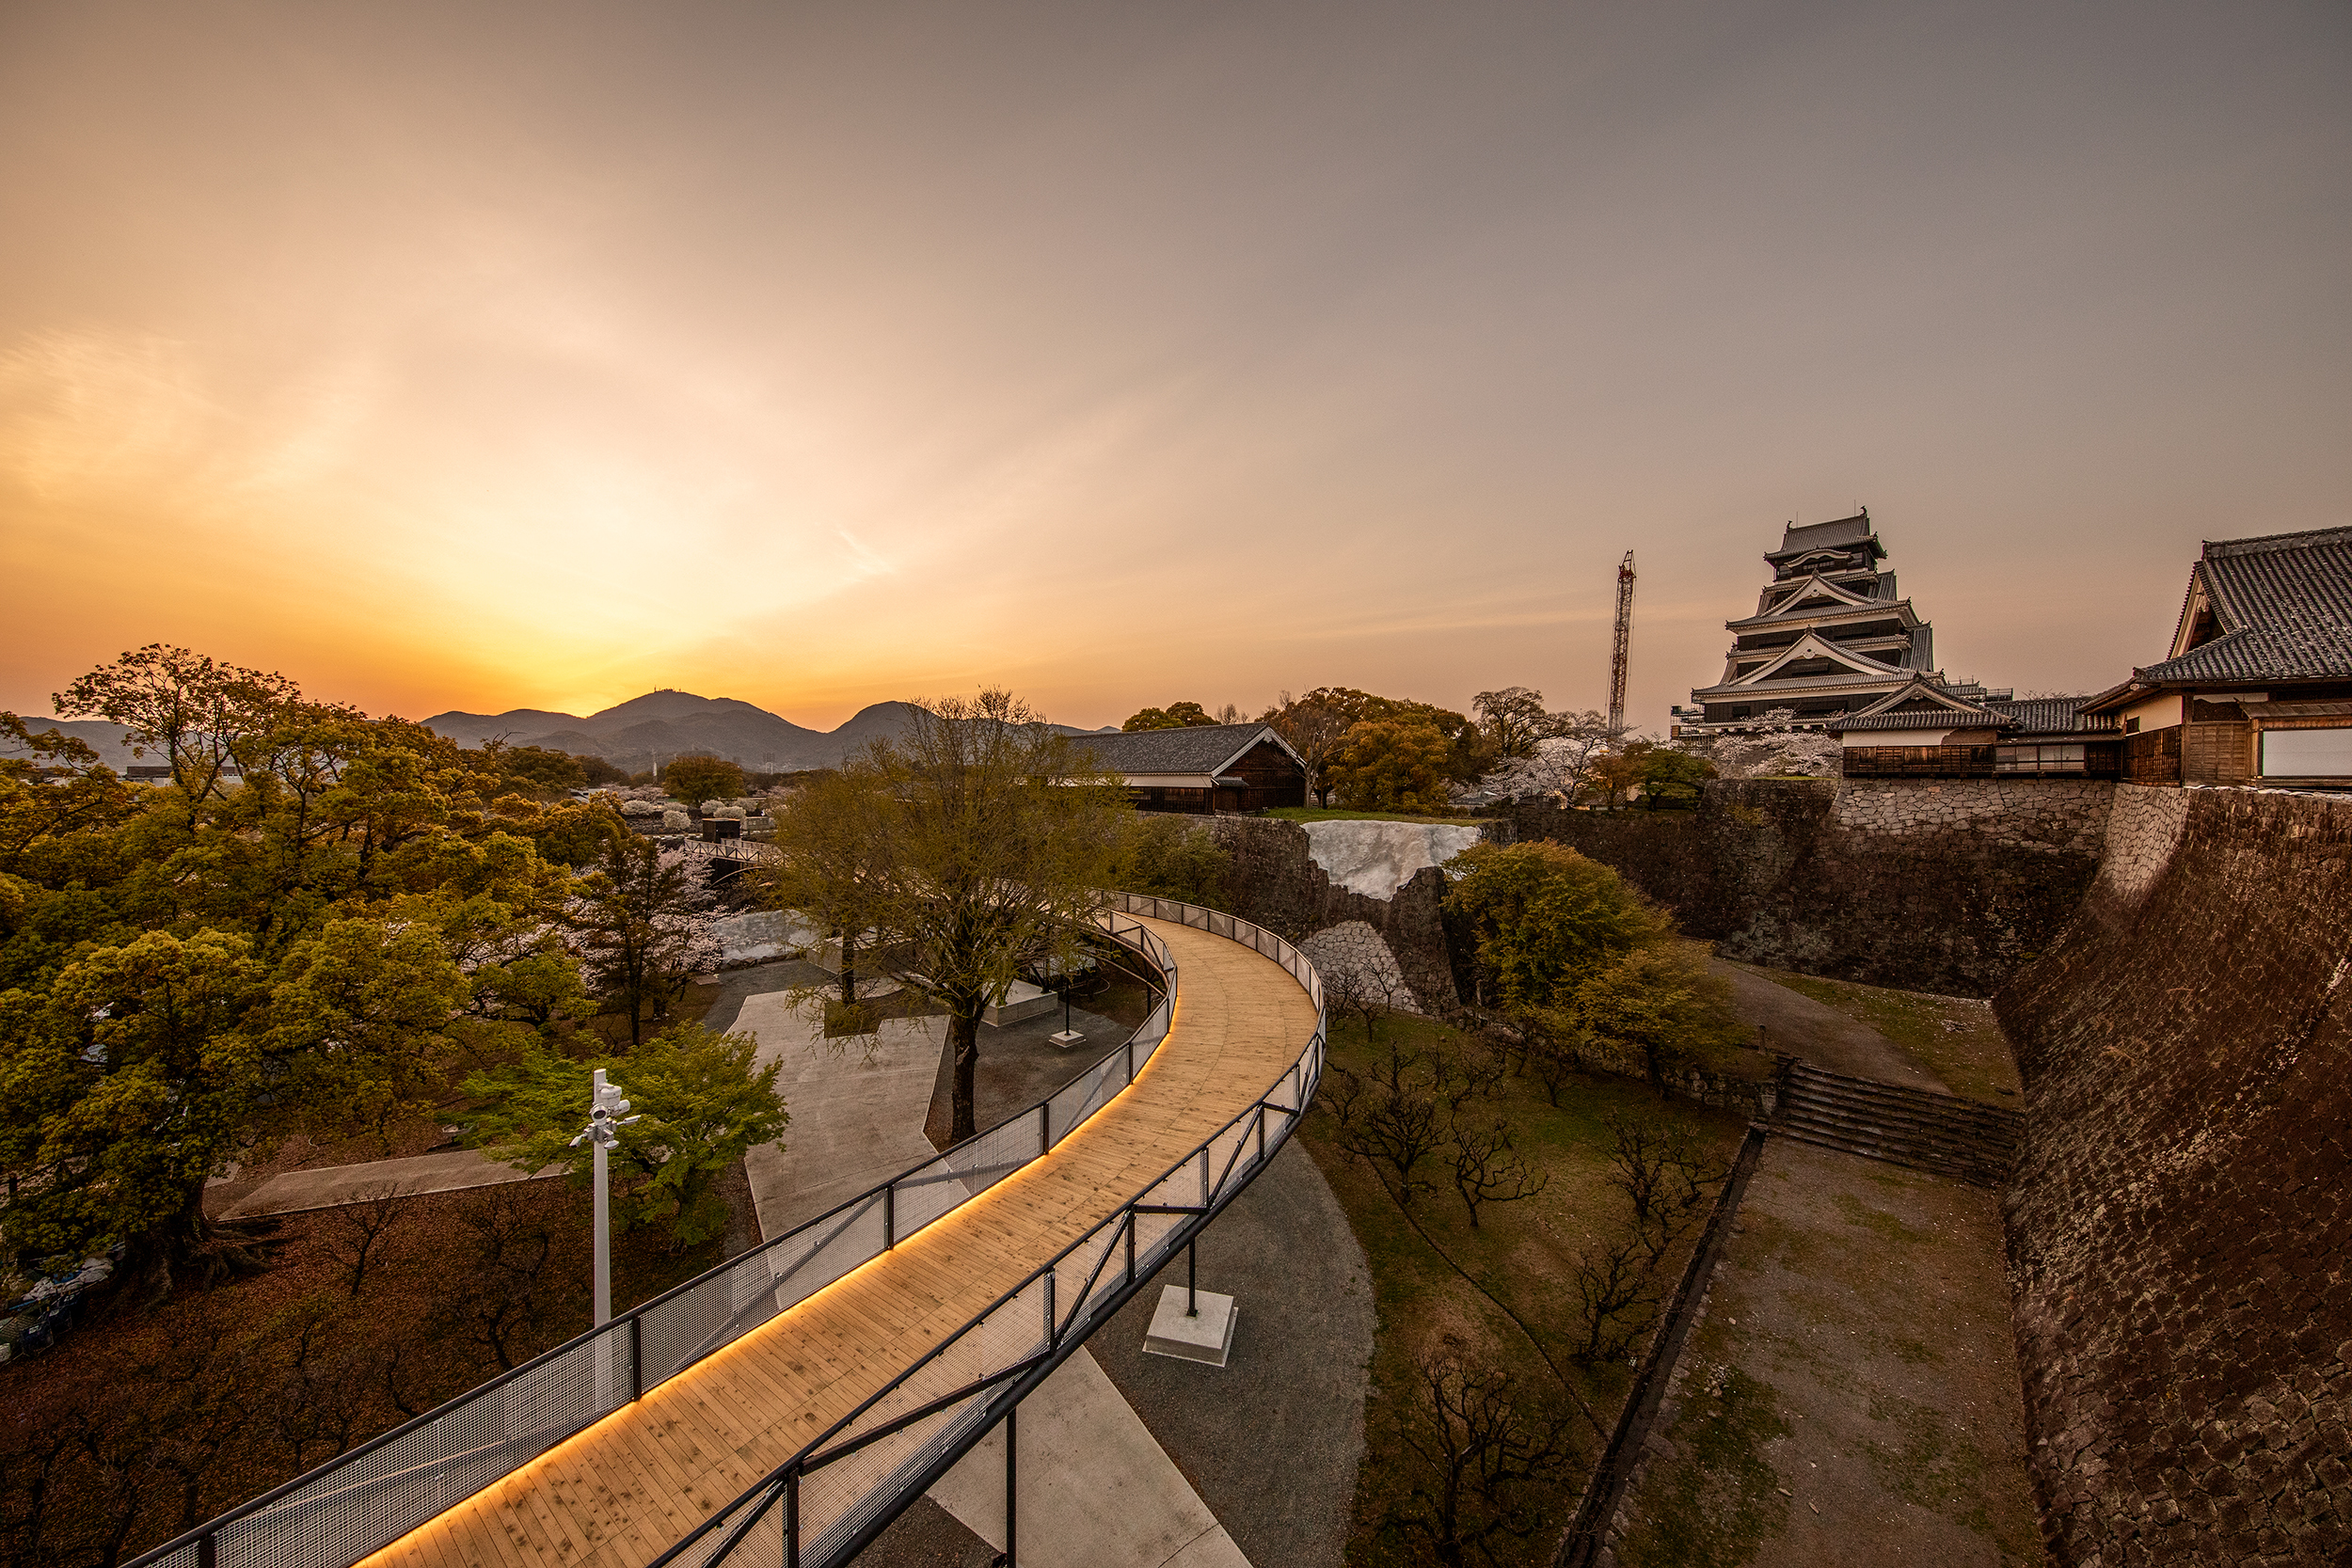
(2257, 687)
(1926, 732)
(1203, 769)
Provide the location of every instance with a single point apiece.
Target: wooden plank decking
(620, 1493)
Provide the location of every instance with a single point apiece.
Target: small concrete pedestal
(1207, 1336)
(1067, 1038)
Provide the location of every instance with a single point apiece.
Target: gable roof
(2282, 603)
(1200, 749)
(1858, 665)
(1920, 704)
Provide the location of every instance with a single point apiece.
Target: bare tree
(506, 1274)
(355, 1233)
(1399, 1127)
(1612, 1291)
(1488, 1168)
(1491, 1460)
(1638, 1166)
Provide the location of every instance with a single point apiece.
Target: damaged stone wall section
(1276, 883)
(1946, 886)
(2180, 1225)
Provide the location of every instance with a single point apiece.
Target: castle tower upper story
(1831, 635)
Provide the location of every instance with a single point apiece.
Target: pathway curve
(618, 1494)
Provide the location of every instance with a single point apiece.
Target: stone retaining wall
(2181, 1221)
(1940, 885)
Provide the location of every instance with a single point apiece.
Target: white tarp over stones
(1376, 858)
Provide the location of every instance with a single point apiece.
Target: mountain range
(644, 731)
(633, 735)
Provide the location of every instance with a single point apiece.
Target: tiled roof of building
(1821, 536)
(1196, 749)
(2284, 602)
(1928, 718)
(2050, 715)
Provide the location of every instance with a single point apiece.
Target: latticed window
(2063, 758)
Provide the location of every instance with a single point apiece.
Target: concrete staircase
(1934, 1133)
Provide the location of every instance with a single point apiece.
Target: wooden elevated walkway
(621, 1492)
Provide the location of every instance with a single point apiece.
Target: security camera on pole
(603, 1131)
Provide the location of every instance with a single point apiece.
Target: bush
(1543, 919)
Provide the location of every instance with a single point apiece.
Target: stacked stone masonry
(2180, 1220)
(1946, 886)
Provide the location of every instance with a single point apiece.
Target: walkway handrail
(368, 1497)
(827, 1502)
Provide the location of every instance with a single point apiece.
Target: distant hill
(664, 724)
(659, 725)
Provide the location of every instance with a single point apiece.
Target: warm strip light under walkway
(620, 1493)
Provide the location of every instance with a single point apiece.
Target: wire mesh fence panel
(1086, 1094)
(984, 1161)
(855, 1238)
(677, 1331)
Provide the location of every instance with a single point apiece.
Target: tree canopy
(697, 779)
(1393, 765)
(973, 847)
(306, 927)
(1542, 918)
(1176, 716)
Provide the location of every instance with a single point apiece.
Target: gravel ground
(1852, 1396)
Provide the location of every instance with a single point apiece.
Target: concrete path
(332, 1186)
(1820, 1034)
(1095, 1488)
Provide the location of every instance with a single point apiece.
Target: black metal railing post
(636, 1356)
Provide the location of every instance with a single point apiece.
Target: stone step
(1959, 1151)
(1951, 1106)
(1897, 1123)
(1975, 1175)
(1916, 1128)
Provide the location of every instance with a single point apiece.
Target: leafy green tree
(695, 779)
(1393, 765)
(537, 769)
(359, 1013)
(1543, 918)
(193, 969)
(992, 841)
(127, 1084)
(639, 935)
(1668, 774)
(826, 860)
(1176, 716)
(197, 714)
(1171, 858)
(702, 1101)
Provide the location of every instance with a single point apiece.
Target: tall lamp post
(603, 1131)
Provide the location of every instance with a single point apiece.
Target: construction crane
(1624, 647)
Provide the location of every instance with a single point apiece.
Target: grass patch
(1953, 1036)
(1717, 1498)
(1503, 1294)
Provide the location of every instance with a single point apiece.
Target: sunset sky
(453, 355)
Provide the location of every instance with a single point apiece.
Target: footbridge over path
(786, 1407)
